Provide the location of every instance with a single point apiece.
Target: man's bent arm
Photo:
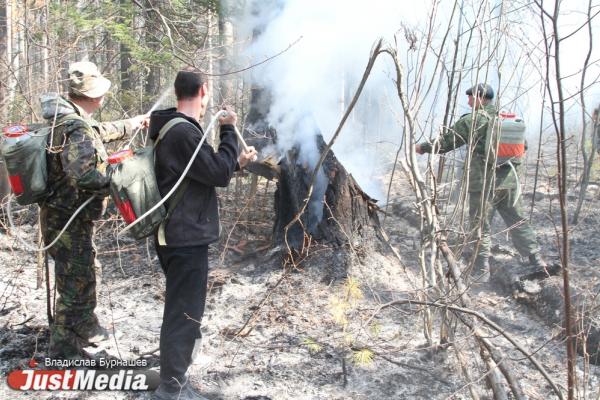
(115, 130)
(213, 168)
(454, 137)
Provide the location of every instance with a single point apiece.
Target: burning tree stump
(339, 214)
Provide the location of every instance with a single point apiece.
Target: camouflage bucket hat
(86, 80)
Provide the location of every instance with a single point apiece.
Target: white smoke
(318, 76)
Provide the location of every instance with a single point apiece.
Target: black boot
(481, 269)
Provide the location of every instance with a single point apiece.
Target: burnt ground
(272, 333)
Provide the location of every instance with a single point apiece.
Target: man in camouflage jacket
(76, 171)
(490, 188)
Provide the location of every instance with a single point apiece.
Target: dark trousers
(186, 271)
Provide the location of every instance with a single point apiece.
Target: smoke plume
(314, 80)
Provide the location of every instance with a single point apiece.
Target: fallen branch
(464, 368)
(149, 353)
(485, 320)
(493, 377)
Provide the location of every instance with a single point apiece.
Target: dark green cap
(481, 90)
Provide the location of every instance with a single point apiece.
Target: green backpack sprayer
(134, 189)
(24, 149)
(133, 185)
(507, 132)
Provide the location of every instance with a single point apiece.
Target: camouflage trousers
(75, 279)
(509, 208)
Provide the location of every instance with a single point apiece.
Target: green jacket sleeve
(113, 130)
(463, 131)
(79, 158)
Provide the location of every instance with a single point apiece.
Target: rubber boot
(481, 269)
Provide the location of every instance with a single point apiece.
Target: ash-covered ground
(275, 333)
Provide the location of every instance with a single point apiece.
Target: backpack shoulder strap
(68, 118)
(162, 241)
(166, 127)
(491, 135)
(55, 125)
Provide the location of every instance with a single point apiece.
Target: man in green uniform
(491, 188)
(76, 171)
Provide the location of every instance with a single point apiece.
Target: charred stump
(339, 214)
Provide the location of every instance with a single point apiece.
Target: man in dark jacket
(193, 224)
(76, 171)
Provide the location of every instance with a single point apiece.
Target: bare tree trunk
(8, 59)
(17, 56)
(562, 189)
(4, 42)
(552, 43)
(4, 57)
(44, 16)
(588, 158)
(125, 62)
(27, 85)
(226, 83)
(212, 32)
(152, 85)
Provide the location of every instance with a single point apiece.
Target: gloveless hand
(230, 118)
(247, 156)
(140, 121)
